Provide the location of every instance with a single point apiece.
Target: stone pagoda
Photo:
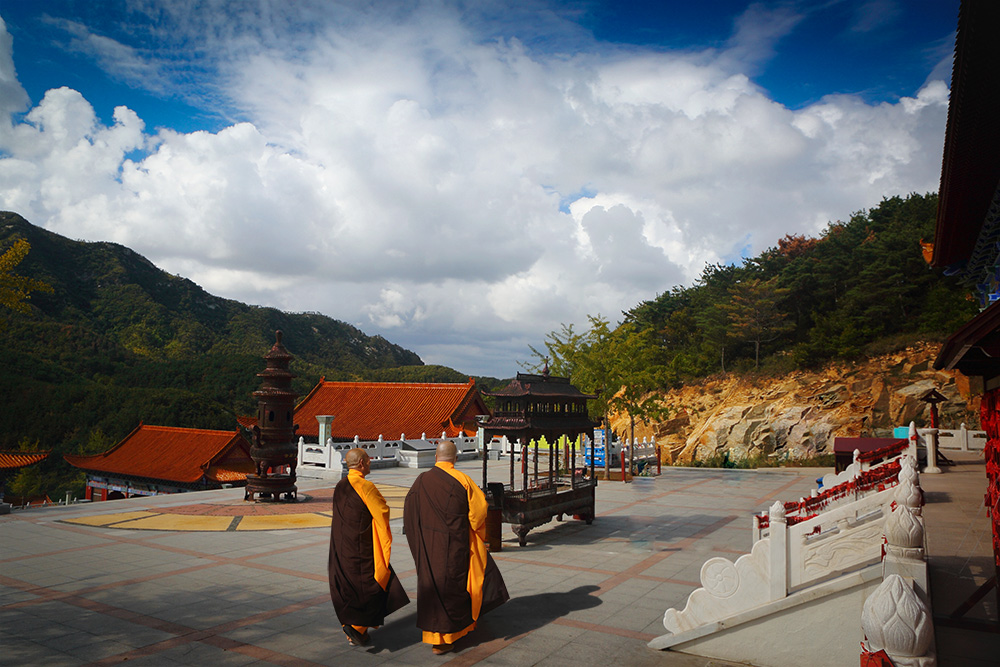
(274, 451)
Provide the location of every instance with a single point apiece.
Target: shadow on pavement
(937, 497)
(528, 613)
(516, 617)
(650, 533)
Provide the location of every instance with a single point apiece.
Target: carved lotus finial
(907, 469)
(894, 618)
(903, 529)
(908, 491)
(777, 512)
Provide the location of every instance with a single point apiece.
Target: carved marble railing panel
(329, 455)
(727, 588)
(837, 540)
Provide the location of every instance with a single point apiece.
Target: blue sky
(879, 50)
(463, 177)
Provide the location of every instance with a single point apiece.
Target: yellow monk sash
(477, 535)
(381, 535)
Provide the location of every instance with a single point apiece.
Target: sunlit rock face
(797, 415)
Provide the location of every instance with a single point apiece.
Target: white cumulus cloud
(415, 172)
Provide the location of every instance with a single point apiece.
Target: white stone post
(329, 453)
(302, 447)
(778, 535)
(964, 435)
(913, 440)
(930, 437)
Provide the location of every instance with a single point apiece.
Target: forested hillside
(860, 283)
(859, 289)
(118, 341)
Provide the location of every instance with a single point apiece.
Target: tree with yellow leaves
(15, 290)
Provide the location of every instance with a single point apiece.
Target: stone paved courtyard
(135, 580)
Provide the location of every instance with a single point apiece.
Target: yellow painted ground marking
(146, 520)
(283, 521)
(192, 522)
(105, 519)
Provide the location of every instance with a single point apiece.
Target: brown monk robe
(363, 586)
(444, 518)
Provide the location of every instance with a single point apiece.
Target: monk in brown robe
(444, 518)
(363, 585)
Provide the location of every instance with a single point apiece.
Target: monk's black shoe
(355, 638)
(441, 649)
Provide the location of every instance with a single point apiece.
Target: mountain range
(119, 341)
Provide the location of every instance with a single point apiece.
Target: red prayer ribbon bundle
(989, 417)
(878, 479)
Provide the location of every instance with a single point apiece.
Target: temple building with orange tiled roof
(11, 462)
(389, 409)
(154, 460)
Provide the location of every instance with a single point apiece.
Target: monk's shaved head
(356, 458)
(446, 451)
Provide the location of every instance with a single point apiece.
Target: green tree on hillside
(633, 378)
(620, 366)
(563, 352)
(755, 312)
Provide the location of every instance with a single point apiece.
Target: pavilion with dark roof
(154, 460)
(533, 406)
(389, 409)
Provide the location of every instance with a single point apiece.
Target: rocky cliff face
(798, 415)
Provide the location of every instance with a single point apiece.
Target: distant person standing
(444, 518)
(363, 586)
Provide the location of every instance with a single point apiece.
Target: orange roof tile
(169, 453)
(15, 460)
(389, 409)
(246, 421)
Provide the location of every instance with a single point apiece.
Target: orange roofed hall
(390, 409)
(164, 459)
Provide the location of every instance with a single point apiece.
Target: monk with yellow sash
(444, 518)
(363, 586)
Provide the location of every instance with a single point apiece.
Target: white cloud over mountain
(460, 193)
